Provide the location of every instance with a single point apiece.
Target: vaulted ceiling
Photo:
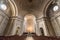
(34, 7)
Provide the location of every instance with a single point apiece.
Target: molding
(46, 7)
(52, 18)
(17, 18)
(13, 7)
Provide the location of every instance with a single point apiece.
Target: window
(29, 22)
(3, 5)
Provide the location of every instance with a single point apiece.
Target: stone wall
(14, 23)
(3, 21)
(55, 20)
(42, 24)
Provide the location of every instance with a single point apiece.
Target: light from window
(3, 7)
(55, 8)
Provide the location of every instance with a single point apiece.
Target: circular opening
(3, 7)
(55, 8)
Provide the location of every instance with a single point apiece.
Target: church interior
(29, 19)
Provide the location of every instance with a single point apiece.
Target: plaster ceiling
(34, 7)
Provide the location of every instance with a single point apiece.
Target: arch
(53, 18)
(29, 22)
(31, 15)
(13, 7)
(47, 19)
(46, 7)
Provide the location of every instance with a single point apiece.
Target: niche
(30, 1)
(42, 31)
(17, 30)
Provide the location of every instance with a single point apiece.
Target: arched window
(29, 23)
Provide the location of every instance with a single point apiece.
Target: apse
(29, 23)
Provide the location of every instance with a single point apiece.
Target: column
(55, 20)
(15, 23)
(38, 32)
(41, 24)
(49, 26)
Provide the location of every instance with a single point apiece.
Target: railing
(23, 37)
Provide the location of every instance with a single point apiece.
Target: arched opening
(53, 17)
(29, 23)
(8, 9)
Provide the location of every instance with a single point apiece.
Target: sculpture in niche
(17, 30)
(42, 31)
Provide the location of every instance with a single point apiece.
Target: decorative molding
(13, 7)
(46, 7)
(17, 18)
(56, 16)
